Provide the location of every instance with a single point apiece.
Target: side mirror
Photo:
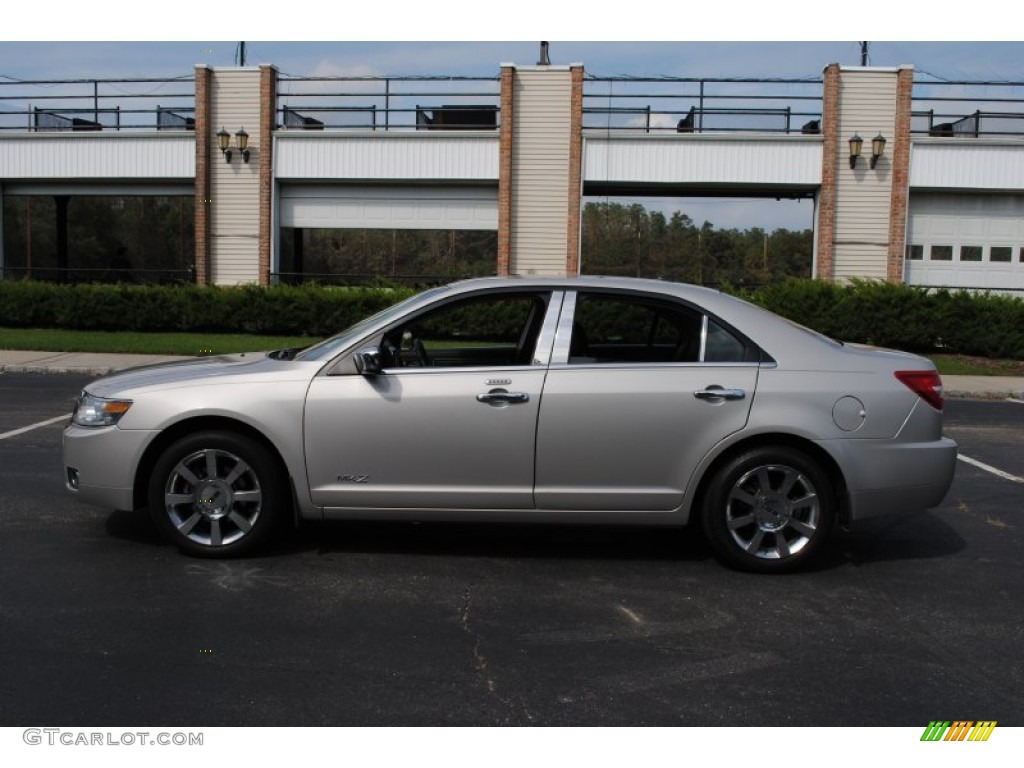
(368, 361)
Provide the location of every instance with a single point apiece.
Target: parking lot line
(30, 427)
(993, 470)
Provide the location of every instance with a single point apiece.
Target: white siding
(540, 171)
(703, 160)
(98, 156)
(867, 107)
(388, 207)
(425, 155)
(967, 163)
(234, 186)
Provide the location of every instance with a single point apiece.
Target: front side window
(489, 330)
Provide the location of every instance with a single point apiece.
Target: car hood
(201, 370)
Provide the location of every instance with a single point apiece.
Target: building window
(915, 252)
(970, 252)
(1000, 253)
(942, 253)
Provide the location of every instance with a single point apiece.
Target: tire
(769, 510)
(217, 494)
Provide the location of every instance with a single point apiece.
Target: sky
(767, 41)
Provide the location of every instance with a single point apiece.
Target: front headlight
(95, 411)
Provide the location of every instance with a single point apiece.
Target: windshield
(330, 347)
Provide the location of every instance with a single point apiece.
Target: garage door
(965, 241)
(314, 206)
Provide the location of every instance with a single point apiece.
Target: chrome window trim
(563, 335)
(703, 338)
(543, 349)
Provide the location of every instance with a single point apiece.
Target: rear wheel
(769, 510)
(217, 494)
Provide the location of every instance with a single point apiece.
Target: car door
(640, 389)
(449, 422)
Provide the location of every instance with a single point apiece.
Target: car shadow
(910, 536)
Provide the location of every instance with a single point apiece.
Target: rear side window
(609, 328)
(723, 346)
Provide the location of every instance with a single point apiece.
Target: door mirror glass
(368, 361)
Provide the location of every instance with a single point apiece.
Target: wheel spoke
(763, 478)
(781, 545)
(755, 543)
(788, 482)
(240, 468)
(254, 495)
(739, 522)
(804, 501)
(738, 494)
(216, 538)
(801, 527)
(211, 464)
(177, 499)
(187, 526)
(244, 525)
(186, 474)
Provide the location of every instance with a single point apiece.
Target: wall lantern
(877, 148)
(856, 145)
(243, 144)
(224, 142)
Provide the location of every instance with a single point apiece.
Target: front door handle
(501, 397)
(715, 393)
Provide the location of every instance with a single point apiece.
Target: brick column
(268, 119)
(900, 176)
(505, 172)
(825, 227)
(572, 256)
(204, 147)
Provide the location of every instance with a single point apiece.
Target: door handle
(501, 397)
(717, 393)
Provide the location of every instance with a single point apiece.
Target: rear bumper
(884, 477)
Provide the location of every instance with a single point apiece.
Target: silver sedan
(592, 400)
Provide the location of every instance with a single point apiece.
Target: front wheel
(769, 510)
(217, 494)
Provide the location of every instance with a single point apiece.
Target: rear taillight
(927, 384)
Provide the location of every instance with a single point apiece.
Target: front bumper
(104, 460)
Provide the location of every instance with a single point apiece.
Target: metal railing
(335, 278)
(700, 105)
(97, 104)
(389, 103)
(967, 108)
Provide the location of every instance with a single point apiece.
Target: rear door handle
(717, 393)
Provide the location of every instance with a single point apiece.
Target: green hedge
(872, 312)
(902, 316)
(309, 310)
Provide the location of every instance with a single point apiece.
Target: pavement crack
(480, 661)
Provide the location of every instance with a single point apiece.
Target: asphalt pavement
(905, 620)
